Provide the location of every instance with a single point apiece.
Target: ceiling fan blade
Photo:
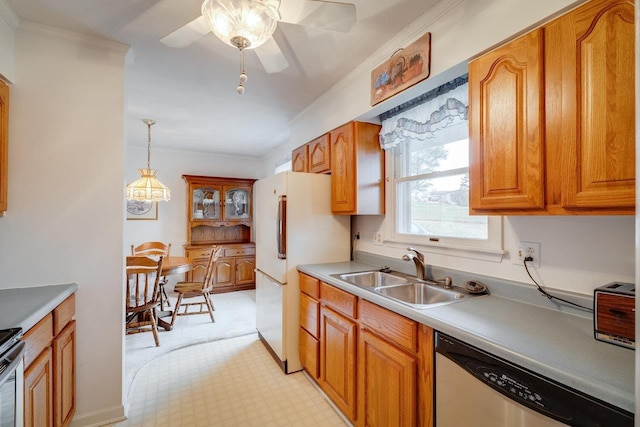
(271, 56)
(188, 34)
(321, 14)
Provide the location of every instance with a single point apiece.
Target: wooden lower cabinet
(38, 391)
(338, 360)
(64, 355)
(375, 365)
(387, 383)
(310, 354)
(234, 270)
(50, 362)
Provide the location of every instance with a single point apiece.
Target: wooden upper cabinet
(320, 155)
(300, 159)
(506, 126)
(591, 60)
(357, 170)
(4, 144)
(552, 121)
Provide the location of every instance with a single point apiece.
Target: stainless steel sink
(373, 279)
(419, 295)
(405, 288)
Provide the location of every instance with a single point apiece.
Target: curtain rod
(425, 97)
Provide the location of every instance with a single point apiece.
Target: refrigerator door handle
(282, 227)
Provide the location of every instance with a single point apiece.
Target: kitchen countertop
(555, 344)
(24, 307)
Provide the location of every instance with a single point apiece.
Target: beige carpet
(235, 315)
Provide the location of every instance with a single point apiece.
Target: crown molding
(8, 15)
(73, 38)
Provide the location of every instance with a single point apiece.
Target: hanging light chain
(149, 123)
(241, 43)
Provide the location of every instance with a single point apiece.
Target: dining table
(171, 265)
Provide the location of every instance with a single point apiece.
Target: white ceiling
(191, 92)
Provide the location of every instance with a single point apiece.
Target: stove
(8, 338)
(11, 378)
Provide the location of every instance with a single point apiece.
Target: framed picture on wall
(142, 210)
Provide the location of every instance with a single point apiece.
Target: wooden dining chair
(201, 290)
(155, 249)
(142, 293)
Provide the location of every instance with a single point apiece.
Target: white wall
(171, 226)
(65, 207)
(577, 253)
(8, 22)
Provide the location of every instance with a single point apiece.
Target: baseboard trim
(106, 417)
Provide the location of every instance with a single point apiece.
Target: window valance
(441, 110)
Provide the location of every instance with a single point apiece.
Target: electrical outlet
(377, 238)
(528, 249)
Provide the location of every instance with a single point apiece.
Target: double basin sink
(406, 289)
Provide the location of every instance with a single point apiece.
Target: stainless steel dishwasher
(474, 388)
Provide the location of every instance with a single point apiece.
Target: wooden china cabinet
(219, 212)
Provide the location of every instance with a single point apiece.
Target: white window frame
(487, 250)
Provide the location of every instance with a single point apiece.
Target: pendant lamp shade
(147, 187)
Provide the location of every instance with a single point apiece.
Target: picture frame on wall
(406, 67)
(142, 210)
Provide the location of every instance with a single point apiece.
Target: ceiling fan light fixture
(252, 21)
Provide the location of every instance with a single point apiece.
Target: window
(428, 162)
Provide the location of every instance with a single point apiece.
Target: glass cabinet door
(205, 202)
(236, 203)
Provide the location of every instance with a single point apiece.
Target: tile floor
(231, 382)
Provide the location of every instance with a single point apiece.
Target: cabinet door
(38, 391)
(64, 357)
(320, 155)
(4, 144)
(594, 45)
(198, 270)
(237, 203)
(338, 360)
(387, 380)
(299, 159)
(506, 126)
(205, 202)
(224, 272)
(245, 271)
(343, 170)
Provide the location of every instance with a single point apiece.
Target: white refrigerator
(293, 225)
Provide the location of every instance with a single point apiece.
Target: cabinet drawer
(616, 315)
(37, 339)
(310, 286)
(198, 253)
(339, 300)
(239, 251)
(63, 314)
(397, 329)
(309, 353)
(309, 314)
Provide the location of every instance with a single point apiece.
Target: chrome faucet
(418, 260)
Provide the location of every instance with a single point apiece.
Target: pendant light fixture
(147, 188)
(243, 24)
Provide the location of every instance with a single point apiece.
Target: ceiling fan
(249, 24)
